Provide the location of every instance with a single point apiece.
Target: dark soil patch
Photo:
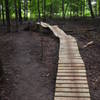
(30, 62)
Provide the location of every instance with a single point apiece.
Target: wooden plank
(67, 40)
(71, 78)
(72, 53)
(73, 46)
(72, 90)
(73, 58)
(71, 98)
(71, 64)
(72, 71)
(66, 50)
(72, 81)
(68, 55)
(65, 53)
(71, 94)
(70, 68)
(72, 85)
(69, 58)
(75, 61)
(71, 74)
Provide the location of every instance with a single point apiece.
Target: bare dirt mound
(30, 64)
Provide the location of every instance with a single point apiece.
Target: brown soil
(30, 60)
(30, 64)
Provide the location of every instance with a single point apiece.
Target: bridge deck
(71, 80)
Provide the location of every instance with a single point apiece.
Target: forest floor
(30, 60)
(30, 63)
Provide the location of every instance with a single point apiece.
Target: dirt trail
(28, 76)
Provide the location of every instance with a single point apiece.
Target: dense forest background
(23, 10)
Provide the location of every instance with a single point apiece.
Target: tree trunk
(70, 10)
(44, 11)
(0, 14)
(16, 13)
(96, 10)
(51, 9)
(24, 10)
(44, 4)
(2, 3)
(38, 10)
(99, 7)
(90, 7)
(30, 9)
(7, 15)
(19, 11)
(83, 9)
(63, 9)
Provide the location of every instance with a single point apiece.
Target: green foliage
(53, 7)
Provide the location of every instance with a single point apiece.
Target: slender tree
(90, 7)
(24, 10)
(99, 7)
(0, 11)
(70, 9)
(30, 8)
(51, 9)
(44, 6)
(26, 7)
(63, 8)
(19, 11)
(2, 3)
(96, 8)
(81, 7)
(16, 13)
(7, 15)
(38, 2)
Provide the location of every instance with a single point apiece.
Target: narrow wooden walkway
(71, 81)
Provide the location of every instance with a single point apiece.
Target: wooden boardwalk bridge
(71, 80)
